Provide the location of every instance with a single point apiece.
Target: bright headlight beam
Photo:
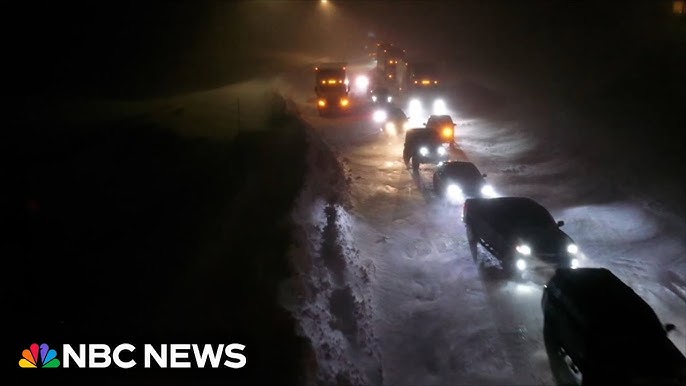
(379, 116)
(439, 107)
(521, 264)
(454, 193)
(488, 191)
(415, 108)
(574, 263)
(390, 128)
(441, 150)
(362, 82)
(423, 151)
(572, 249)
(523, 249)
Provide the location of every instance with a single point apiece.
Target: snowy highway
(436, 319)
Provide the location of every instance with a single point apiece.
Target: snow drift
(330, 295)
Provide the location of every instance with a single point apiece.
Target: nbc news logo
(123, 356)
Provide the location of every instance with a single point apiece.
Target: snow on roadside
(330, 295)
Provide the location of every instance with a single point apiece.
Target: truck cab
(332, 89)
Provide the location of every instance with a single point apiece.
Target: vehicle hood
(638, 362)
(545, 242)
(471, 187)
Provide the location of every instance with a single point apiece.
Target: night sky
(131, 49)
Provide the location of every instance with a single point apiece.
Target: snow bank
(330, 295)
(215, 113)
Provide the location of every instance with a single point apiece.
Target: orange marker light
(321, 103)
(344, 102)
(447, 132)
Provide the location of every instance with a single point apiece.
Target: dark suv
(598, 331)
(444, 126)
(423, 146)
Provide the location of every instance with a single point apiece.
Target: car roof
(512, 211)
(455, 163)
(595, 296)
(440, 117)
(421, 133)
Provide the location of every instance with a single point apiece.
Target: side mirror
(424, 123)
(484, 175)
(560, 223)
(669, 327)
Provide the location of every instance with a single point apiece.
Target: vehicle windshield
(441, 120)
(525, 214)
(396, 113)
(463, 170)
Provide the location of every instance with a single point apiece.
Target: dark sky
(129, 47)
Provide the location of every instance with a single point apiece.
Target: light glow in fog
(454, 194)
(488, 191)
(439, 107)
(379, 116)
(415, 108)
(361, 83)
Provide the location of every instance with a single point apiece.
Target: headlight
(488, 191)
(439, 107)
(423, 151)
(390, 98)
(390, 128)
(523, 249)
(379, 116)
(441, 151)
(574, 263)
(572, 249)
(361, 82)
(454, 193)
(415, 108)
(447, 133)
(373, 98)
(521, 264)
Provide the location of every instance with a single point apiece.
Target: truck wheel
(415, 165)
(472, 241)
(406, 157)
(562, 373)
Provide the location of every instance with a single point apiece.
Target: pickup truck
(423, 146)
(519, 232)
(598, 331)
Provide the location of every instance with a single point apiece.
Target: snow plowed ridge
(333, 300)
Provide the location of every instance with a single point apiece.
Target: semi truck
(332, 88)
(390, 63)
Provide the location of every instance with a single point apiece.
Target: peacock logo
(31, 359)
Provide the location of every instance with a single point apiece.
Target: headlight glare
(521, 264)
(423, 151)
(454, 193)
(523, 249)
(379, 116)
(572, 249)
(488, 191)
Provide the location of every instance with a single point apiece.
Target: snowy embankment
(330, 295)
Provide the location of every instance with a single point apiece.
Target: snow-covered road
(436, 319)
